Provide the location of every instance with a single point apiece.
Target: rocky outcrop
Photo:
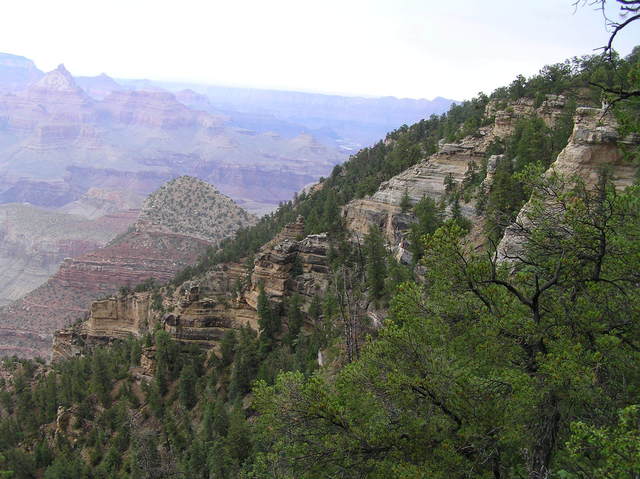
(200, 312)
(427, 178)
(110, 319)
(592, 147)
(290, 263)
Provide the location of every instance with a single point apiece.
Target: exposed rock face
(427, 178)
(149, 250)
(592, 146)
(201, 312)
(110, 319)
(290, 263)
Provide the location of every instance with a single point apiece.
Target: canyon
(169, 234)
(93, 146)
(200, 310)
(63, 135)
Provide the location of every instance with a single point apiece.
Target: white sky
(404, 48)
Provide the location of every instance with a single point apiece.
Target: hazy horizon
(404, 49)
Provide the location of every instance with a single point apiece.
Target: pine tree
(187, 386)
(268, 320)
(376, 254)
(405, 201)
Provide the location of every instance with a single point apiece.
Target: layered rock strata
(427, 178)
(592, 148)
(152, 249)
(201, 311)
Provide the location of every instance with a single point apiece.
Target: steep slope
(451, 163)
(33, 243)
(154, 248)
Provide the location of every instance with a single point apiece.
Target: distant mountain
(58, 140)
(16, 72)
(356, 120)
(61, 136)
(98, 87)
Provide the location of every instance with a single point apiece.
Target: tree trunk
(546, 434)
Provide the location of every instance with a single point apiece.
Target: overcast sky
(404, 48)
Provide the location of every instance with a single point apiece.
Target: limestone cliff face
(427, 177)
(290, 263)
(201, 311)
(110, 319)
(593, 145)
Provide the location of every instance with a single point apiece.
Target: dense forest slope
(394, 338)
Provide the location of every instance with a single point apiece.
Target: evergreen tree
(269, 322)
(187, 386)
(376, 263)
(405, 201)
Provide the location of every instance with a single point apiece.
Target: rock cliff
(200, 311)
(427, 178)
(592, 147)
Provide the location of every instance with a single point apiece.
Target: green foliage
(245, 364)
(610, 451)
(429, 218)
(480, 362)
(269, 321)
(376, 261)
(187, 386)
(405, 201)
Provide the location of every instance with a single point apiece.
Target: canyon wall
(200, 311)
(151, 249)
